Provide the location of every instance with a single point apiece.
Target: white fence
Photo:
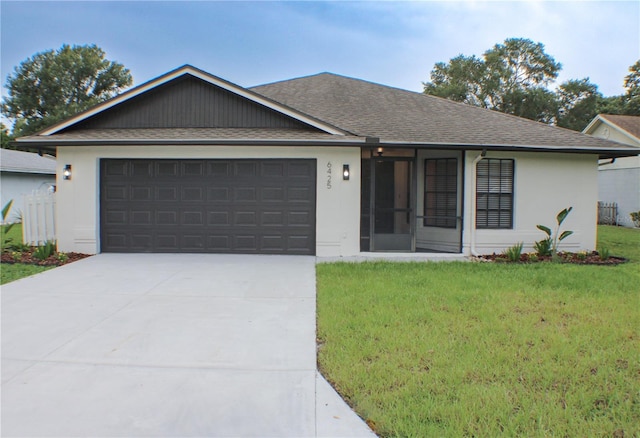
(38, 218)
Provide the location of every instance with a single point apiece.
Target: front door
(388, 186)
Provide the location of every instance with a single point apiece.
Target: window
(494, 193)
(440, 192)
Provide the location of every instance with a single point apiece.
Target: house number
(329, 175)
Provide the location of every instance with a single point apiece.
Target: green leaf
(564, 235)
(5, 210)
(545, 229)
(563, 215)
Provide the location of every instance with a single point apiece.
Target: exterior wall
(16, 185)
(621, 184)
(337, 201)
(544, 184)
(619, 181)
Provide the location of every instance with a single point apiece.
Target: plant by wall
(554, 238)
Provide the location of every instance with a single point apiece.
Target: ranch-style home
(321, 165)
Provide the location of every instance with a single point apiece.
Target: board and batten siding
(188, 102)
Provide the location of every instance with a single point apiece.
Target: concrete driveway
(167, 345)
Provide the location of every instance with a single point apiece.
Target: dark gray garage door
(213, 206)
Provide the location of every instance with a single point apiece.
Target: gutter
(474, 177)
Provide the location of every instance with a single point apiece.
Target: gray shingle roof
(368, 109)
(26, 162)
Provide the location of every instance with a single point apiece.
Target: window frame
(442, 193)
(497, 190)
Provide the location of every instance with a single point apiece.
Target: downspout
(473, 201)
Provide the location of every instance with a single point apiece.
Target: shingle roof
(26, 162)
(368, 109)
(631, 124)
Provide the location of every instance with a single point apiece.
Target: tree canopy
(56, 84)
(513, 77)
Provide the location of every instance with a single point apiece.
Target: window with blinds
(494, 193)
(440, 192)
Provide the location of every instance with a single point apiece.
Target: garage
(265, 206)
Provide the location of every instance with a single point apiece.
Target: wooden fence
(607, 213)
(38, 218)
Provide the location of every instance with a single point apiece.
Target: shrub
(556, 237)
(6, 241)
(543, 247)
(513, 253)
(635, 218)
(604, 253)
(45, 251)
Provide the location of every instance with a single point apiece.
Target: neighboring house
(23, 173)
(324, 165)
(619, 181)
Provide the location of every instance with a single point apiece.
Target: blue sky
(393, 43)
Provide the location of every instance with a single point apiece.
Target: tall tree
(511, 77)
(632, 85)
(578, 103)
(54, 85)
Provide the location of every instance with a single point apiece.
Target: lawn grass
(480, 349)
(12, 272)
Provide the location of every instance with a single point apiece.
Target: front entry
(388, 199)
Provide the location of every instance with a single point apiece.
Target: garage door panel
(224, 206)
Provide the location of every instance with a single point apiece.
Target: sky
(393, 43)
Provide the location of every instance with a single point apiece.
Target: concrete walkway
(168, 345)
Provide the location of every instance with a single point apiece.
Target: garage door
(212, 206)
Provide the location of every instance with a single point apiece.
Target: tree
(511, 77)
(632, 85)
(54, 85)
(578, 103)
(6, 137)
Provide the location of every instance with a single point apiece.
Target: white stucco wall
(544, 184)
(15, 185)
(337, 203)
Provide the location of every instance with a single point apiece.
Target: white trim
(592, 126)
(236, 89)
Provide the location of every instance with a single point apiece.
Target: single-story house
(619, 179)
(23, 173)
(324, 164)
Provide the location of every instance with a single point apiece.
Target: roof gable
(628, 126)
(190, 98)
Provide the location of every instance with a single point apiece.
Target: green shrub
(6, 241)
(556, 237)
(604, 253)
(513, 253)
(45, 251)
(635, 217)
(543, 247)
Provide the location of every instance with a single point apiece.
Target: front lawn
(483, 349)
(12, 272)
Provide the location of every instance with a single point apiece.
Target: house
(23, 173)
(619, 179)
(324, 164)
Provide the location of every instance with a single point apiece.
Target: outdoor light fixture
(380, 151)
(345, 172)
(66, 172)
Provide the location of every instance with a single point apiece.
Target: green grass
(12, 272)
(479, 349)
(17, 271)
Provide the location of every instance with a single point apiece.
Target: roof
(395, 115)
(629, 125)
(344, 111)
(26, 162)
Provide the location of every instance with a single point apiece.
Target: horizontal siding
(188, 102)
